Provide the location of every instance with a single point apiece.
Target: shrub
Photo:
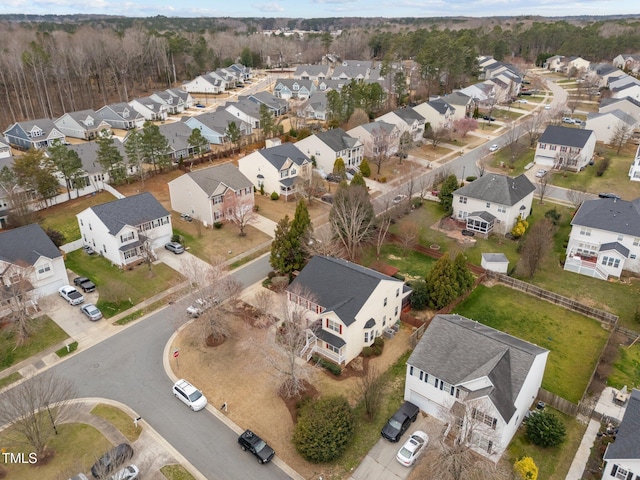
(367, 352)
(420, 295)
(471, 178)
(176, 238)
(217, 225)
(262, 189)
(365, 169)
(602, 167)
(526, 468)
(383, 179)
(324, 429)
(256, 208)
(275, 196)
(519, 227)
(553, 215)
(545, 429)
(327, 365)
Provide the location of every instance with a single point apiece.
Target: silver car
(91, 311)
(174, 247)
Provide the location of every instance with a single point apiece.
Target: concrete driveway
(381, 464)
(185, 263)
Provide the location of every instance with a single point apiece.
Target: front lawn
(121, 289)
(45, 334)
(118, 419)
(176, 472)
(553, 463)
(501, 160)
(574, 341)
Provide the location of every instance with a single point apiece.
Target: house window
(130, 253)
(553, 147)
(104, 248)
(484, 418)
(385, 301)
(585, 231)
(632, 256)
(42, 269)
(90, 227)
(218, 199)
(411, 370)
(563, 149)
(462, 200)
(502, 209)
(397, 292)
(636, 242)
(81, 223)
(543, 146)
(126, 237)
(396, 312)
(335, 326)
(620, 238)
(330, 347)
(426, 378)
(384, 320)
(488, 205)
(621, 473)
(284, 174)
(421, 374)
(611, 262)
(367, 337)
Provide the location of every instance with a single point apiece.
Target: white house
(246, 111)
(277, 169)
(378, 138)
(622, 456)
(437, 113)
(326, 147)
(628, 62)
(605, 125)
(628, 105)
(630, 89)
(605, 238)
(346, 306)
(493, 202)
(205, 84)
(634, 170)
(122, 230)
(150, 109)
(311, 72)
(564, 147)
(121, 115)
(407, 120)
(462, 103)
(84, 124)
(478, 379)
(5, 150)
(206, 194)
(28, 253)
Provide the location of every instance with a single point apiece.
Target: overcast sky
(324, 8)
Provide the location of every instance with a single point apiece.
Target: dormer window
(89, 122)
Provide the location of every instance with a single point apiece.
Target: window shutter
(630, 476)
(421, 374)
(494, 423)
(411, 370)
(340, 329)
(327, 323)
(614, 470)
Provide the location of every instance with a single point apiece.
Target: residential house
(378, 138)
(493, 202)
(41, 133)
(230, 78)
(326, 147)
(278, 106)
(277, 169)
(463, 105)
(606, 125)
(288, 88)
(628, 105)
(214, 125)
(577, 65)
(634, 170)
(348, 72)
(95, 176)
(150, 109)
(85, 125)
(479, 380)
(622, 456)
(605, 238)
(177, 135)
(315, 73)
(122, 116)
(207, 84)
(629, 89)
(555, 63)
(185, 97)
(5, 151)
(601, 72)
(345, 306)
(5, 205)
(172, 103)
(315, 108)
(246, 111)
(208, 193)
(329, 84)
(27, 253)
(483, 94)
(627, 62)
(407, 120)
(437, 113)
(125, 230)
(243, 73)
(565, 148)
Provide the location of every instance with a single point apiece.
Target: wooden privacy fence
(559, 403)
(600, 315)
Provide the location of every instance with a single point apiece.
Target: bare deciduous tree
(537, 244)
(370, 389)
(533, 126)
(577, 197)
(409, 233)
(541, 186)
(239, 211)
(621, 134)
(514, 147)
(32, 409)
(383, 224)
(18, 297)
(352, 219)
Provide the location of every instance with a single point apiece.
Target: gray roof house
(245, 110)
(185, 97)
(311, 72)
(407, 120)
(345, 306)
(326, 147)
(214, 125)
(315, 108)
(177, 135)
(40, 133)
(288, 88)
(84, 124)
(172, 102)
(149, 108)
(622, 456)
(378, 138)
(606, 124)
(122, 116)
(205, 194)
(478, 378)
(605, 238)
(96, 176)
(493, 202)
(27, 252)
(565, 148)
(278, 106)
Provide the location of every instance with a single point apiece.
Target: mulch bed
(292, 403)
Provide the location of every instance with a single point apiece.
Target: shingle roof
(26, 245)
(459, 350)
(611, 215)
(496, 188)
(312, 70)
(495, 257)
(219, 120)
(337, 139)
(408, 115)
(617, 246)
(570, 137)
(210, 179)
(339, 286)
(440, 105)
(458, 98)
(88, 153)
(279, 154)
(617, 113)
(177, 135)
(132, 211)
(626, 445)
(377, 126)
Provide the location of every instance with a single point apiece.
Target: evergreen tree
(339, 168)
(545, 429)
(446, 193)
(442, 288)
(464, 277)
(110, 158)
(197, 141)
(155, 146)
(266, 121)
(365, 168)
(299, 235)
(358, 179)
(281, 246)
(135, 153)
(67, 162)
(234, 134)
(34, 171)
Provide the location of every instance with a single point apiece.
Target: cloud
(269, 7)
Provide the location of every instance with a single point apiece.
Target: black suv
(252, 442)
(399, 423)
(84, 283)
(111, 460)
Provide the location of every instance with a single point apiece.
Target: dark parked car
(487, 117)
(252, 442)
(89, 249)
(111, 460)
(84, 283)
(399, 423)
(609, 195)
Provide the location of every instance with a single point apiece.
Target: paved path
(584, 450)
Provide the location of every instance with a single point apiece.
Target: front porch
(323, 343)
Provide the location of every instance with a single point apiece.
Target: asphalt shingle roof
(611, 215)
(25, 245)
(570, 137)
(626, 445)
(132, 211)
(209, 179)
(278, 155)
(496, 188)
(337, 139)
(408, 115)
(459, 350)
(339, 286)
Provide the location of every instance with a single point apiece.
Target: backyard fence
(561, 404)
(600, 315)
(417, 335)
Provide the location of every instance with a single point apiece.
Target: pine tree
(442, 287)
(464, 277)
(298, 235)
(358, 179)
(446, 193)
(281, 246)
(365, 169)
(110, 158)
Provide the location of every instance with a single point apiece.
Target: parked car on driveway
(189, 395)
(91, 311)
(127, 473)
(400, 421)
(412, 448)
(85, 284)
(541, 173)
(71, 295)
(174, 247)
(252, 442)
(112, 460)
(399, 199)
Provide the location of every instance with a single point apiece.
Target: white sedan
(541, 173)
(493, 147)
(412, 448)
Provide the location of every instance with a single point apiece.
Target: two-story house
(315, 108)
(622, 457)
(463, 104)
(278, 106)
(124, 230)
(277, 169)
(378, 138)
(407, 120)
(437, 113)
(605, 238)
(288, 88)
(214, 126)
(205, 194)
(605, 125)
(149, 108)
(40, 133)
(173, 103)
(207, 84)
(493, 202)
(246, 111)
(346, 306)
(122, 116)
(565, 148)
(314, 73)
(326, 147)
(477, 379)
(28, 254)
(634, 170)
(84, 124)
(177, 135)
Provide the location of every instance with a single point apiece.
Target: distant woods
(52, 65)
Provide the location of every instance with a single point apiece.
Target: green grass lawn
(504, 155)
(45, 334)
(76, 448)
(118, 419)
(553, 463)
(411, 264)
(574, 341)
(9, 379)
(176, 472)
(63, 217)
(626, 368)
(117, 286)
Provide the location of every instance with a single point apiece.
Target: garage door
(425, 404)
